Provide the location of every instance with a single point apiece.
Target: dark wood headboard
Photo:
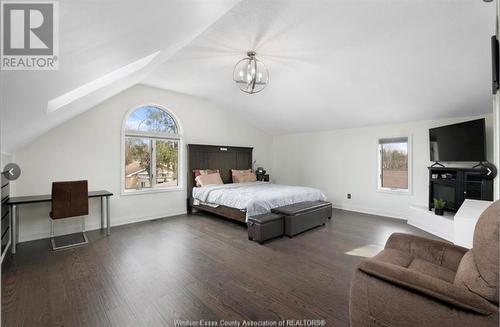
(221, 157)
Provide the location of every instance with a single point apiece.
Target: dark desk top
(48, 197)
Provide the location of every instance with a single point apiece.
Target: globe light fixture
(250, 74)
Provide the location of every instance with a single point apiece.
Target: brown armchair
(416, 281)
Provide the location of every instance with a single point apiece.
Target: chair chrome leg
(52, 234)
(57, 248)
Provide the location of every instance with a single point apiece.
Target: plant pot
(439, 211)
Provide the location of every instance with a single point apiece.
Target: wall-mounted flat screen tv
(459, 142)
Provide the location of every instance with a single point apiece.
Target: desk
(14, 202)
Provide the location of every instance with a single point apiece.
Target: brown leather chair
(416, 281)
(69, 199)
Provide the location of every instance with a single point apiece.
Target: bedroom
(344, 79)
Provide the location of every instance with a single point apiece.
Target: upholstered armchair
(416, 281)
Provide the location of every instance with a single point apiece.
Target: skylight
(103, 81)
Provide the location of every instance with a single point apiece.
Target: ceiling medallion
(250, 74)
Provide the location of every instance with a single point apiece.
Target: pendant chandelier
(250, 74)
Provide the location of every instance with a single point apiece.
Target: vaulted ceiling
(333, 64)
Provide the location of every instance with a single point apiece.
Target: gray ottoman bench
(265, 227)
(303, 216)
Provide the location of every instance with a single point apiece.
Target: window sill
(153, 190)
(394, 191)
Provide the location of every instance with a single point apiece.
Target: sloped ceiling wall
(96, 38)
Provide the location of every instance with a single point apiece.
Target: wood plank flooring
(191, 268)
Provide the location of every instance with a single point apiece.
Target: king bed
(237, 201)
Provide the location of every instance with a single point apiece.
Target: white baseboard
(371, 211)
(23, 237)
(139, 219)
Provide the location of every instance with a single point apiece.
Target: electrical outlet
(349, 195)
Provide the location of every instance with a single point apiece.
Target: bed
(240, 200)
(254, 198)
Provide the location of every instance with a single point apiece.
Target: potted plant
(439, 205)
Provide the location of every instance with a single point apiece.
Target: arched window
(151, 140)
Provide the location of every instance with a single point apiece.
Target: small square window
(393, 163)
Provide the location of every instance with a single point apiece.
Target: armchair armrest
(431, 287)
(438, 252)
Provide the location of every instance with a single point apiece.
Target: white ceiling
(333, 64)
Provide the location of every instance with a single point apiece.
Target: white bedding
(257, 197)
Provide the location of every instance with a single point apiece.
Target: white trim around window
(153, 136)
(408, 190)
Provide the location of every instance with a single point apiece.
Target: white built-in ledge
(466, 219)
(457, 228)
(441, 226)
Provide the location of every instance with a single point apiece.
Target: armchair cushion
(440, 253)
(434, 288)
(406, 260)
(432, 270)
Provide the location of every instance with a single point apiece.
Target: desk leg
(108, 217)
(13, 217)
(102, 212)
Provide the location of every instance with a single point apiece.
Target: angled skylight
(103, 81)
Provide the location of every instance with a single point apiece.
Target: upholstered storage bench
(265, 227)
(303, 216)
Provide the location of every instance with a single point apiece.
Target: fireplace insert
(454, 185)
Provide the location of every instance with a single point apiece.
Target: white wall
(345, 161)
(88, 147)
(496, 140)
(338, 162)
(496, 118)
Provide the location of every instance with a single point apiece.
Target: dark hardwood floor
(190, 268)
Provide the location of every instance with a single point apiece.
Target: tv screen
(459, 142)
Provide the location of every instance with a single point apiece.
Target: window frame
(153, 136)
(409, 190)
